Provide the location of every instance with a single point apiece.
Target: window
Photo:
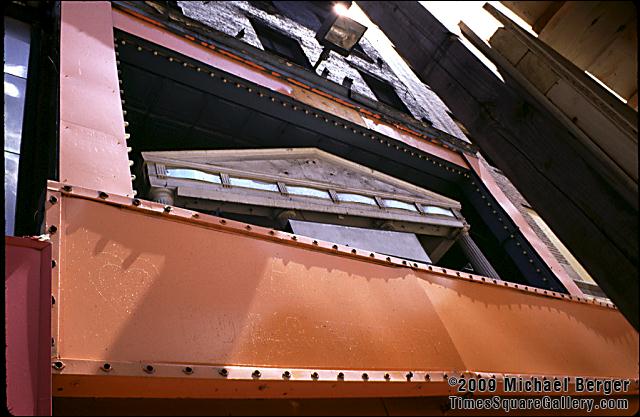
(384, 92)
(438, 210)
(193, 174)
(255, 184)
(280, 44)
(308, 192)
(17, 41)
(397, 204)
(356, 198)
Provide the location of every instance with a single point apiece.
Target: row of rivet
(511, 234)
(309, 111)
(340, 376)
(127, 136)
(284, 236)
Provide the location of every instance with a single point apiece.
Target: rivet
(211, 74)
(53, 300)
(58, 365)
(103, 195)
(139, 48)
(286, 375)
(354, 251)
(294, 238)
(427, 377)
(53, 263)
(223, 221)
(341, 376)
(167, 209)
(315, 376)
(223, 372)
(387, 377)
(365, 376)
(149, 369)
(67, 188)
(388, 259)
(53, 199)
(195, 215)
(155, 53)
(256, 374)
(335, 247)
(135, 202)
(247, 227)
(188, 370)
(373, 255)
(409, 376)
(52, 229)
(106, 367)
(315, 242)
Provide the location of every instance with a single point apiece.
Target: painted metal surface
(210, 55)
(27, 318)
(143, 284)
(93, 149)
(543, 251)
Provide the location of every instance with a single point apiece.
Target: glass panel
(14, 97)
(11, 162)
(356, 198)
(399, 205)
(193, 174)
(309, 192)
(16, 47)
(438, 210)
(255, 184)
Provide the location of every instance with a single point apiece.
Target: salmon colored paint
(138, 285)
(93, 149)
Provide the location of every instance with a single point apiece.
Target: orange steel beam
(208, 54)
(93, 148)
(540, 247)
(140, 284)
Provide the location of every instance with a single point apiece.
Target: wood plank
(542, 159)
(537, 72)
(547, 15)
(610, 105)
(509, 47)
(617, 65)
(529, 11)
(613, 171)
(588, 118)
(581, 30)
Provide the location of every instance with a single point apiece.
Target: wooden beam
(562, 180)
(546, 16)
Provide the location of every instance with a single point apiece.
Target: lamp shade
(340, 34)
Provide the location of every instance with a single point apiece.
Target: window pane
(399, 205)
(255, 184)
(356, 198)
(309, 192)
(438, 210)
(193, 174)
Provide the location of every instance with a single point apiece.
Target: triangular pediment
(305, 166)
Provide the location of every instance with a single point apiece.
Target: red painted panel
(28, 326)
(93, 150)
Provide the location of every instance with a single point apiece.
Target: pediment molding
(310, 167)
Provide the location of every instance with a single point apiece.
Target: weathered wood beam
(563, 181)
